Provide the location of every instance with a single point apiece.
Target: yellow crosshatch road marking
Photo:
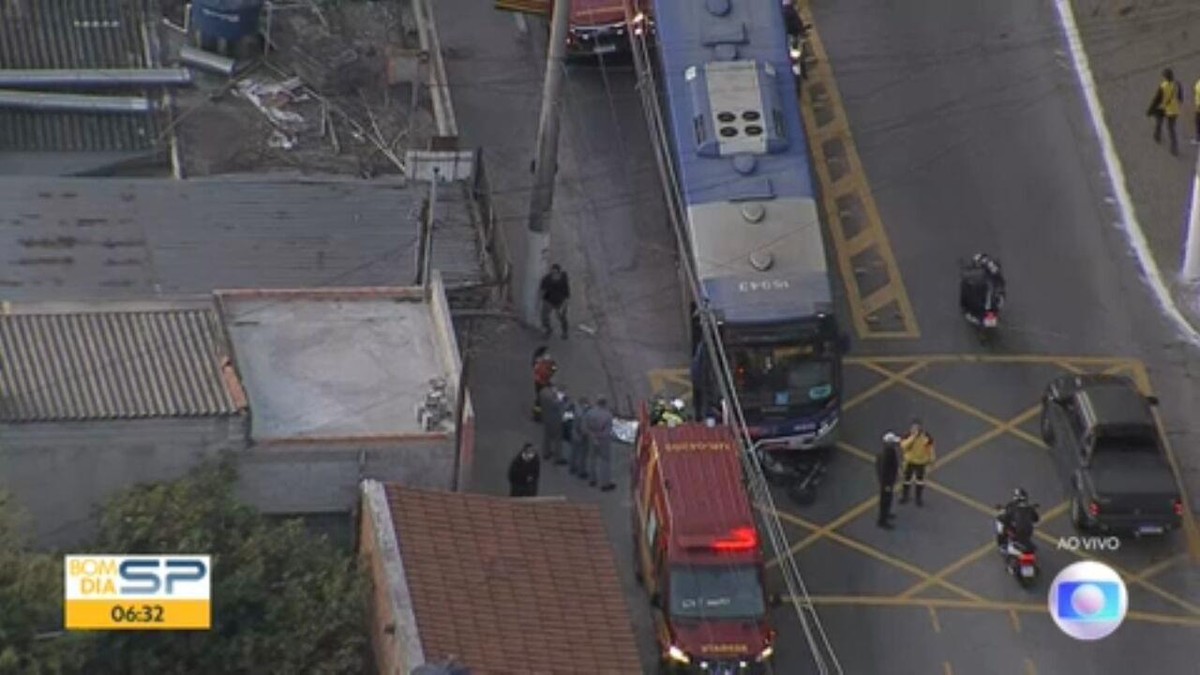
(904, 368)
(974, 555)
(1039, 608)
(833, 147)
(675, 382)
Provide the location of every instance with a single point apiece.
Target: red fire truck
(697, 550)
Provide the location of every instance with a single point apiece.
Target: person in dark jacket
(524, 472)
(555, 291)
(544, 369)
(552, 424)
(887, 470)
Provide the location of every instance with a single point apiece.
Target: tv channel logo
(137, 592)
(1088, 600)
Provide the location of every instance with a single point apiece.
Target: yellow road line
(946, 668)
(949, 569)
(872, 233)
(1159, 567)
(958, 405)
(888, 382)
(1029, 667)
(1040, 608)
(856, 452)
(1034, 359)
(1012, 426)
(1015, 620)
(5, 307)
(847, 516)
(933, 618)
(878, 555)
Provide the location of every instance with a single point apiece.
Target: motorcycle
(987, 322)
(799, 476)
(1020, 558)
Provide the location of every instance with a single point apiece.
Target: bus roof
(700, 474)
(743, 160)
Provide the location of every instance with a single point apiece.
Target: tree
(31, 592)
(284, 601)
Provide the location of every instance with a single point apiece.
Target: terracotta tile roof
(513, 587)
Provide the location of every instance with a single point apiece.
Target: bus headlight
(767, 653)
(676, 654)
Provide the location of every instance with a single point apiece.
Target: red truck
(596, 27)
(697, 551)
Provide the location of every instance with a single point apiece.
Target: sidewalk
(609, 234)
(1128, 43)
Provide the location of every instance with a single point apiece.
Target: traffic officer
(919, 453)
(1165, 106)
(887, 469)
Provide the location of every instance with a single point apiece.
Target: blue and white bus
(741, 163)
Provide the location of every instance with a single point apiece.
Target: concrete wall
(59, 472)
(323, 476)
(395, 641)
(452, 364)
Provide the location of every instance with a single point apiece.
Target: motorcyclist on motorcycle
(1018, 519)
(981, 287)
(797, 32)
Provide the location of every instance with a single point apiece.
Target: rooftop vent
(753, 212)
(761, 260)
(745, 164)
(717, 7)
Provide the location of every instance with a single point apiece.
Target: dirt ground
(351, 120)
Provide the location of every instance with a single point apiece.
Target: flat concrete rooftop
(340, 366)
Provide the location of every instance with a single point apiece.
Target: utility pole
(1191, 256)
(537, 253)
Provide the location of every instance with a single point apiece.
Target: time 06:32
(137, 613)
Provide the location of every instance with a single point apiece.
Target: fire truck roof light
(741, 539)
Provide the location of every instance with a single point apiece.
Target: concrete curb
(439, 86)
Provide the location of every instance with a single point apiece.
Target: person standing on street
(555, 290)
(887, 469)
(599, 423)
(544, 368)
(569, 412)
(580, 443)
(1165, 106)
(552, 424)
(919, 453)
(1196, 100)
(523, 473)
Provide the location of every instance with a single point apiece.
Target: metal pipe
(30, 100)
(116, 77)
(207, 60)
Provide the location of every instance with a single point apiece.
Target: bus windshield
(782, 377)
(716, 592)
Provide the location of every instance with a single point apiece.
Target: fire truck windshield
(716, 592)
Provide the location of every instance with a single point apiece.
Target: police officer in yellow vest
(1165, 106)
(919, 453)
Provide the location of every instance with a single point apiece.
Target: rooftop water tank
(228, 20)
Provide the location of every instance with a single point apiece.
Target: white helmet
(890, 438)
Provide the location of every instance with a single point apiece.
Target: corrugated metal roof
(74, 34)
(112, 365)
(133, 239)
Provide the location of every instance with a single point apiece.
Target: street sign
(445, 165)
(538, 7)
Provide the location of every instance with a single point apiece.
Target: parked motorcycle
(1020, 558)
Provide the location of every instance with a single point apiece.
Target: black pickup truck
(1106, 445)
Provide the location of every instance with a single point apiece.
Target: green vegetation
(284, 601)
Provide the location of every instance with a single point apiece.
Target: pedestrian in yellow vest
(1196, 100)
(1165, 106)
(919, 453)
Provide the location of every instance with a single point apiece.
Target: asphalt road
(974, 137)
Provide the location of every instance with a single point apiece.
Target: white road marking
(1128, 221)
